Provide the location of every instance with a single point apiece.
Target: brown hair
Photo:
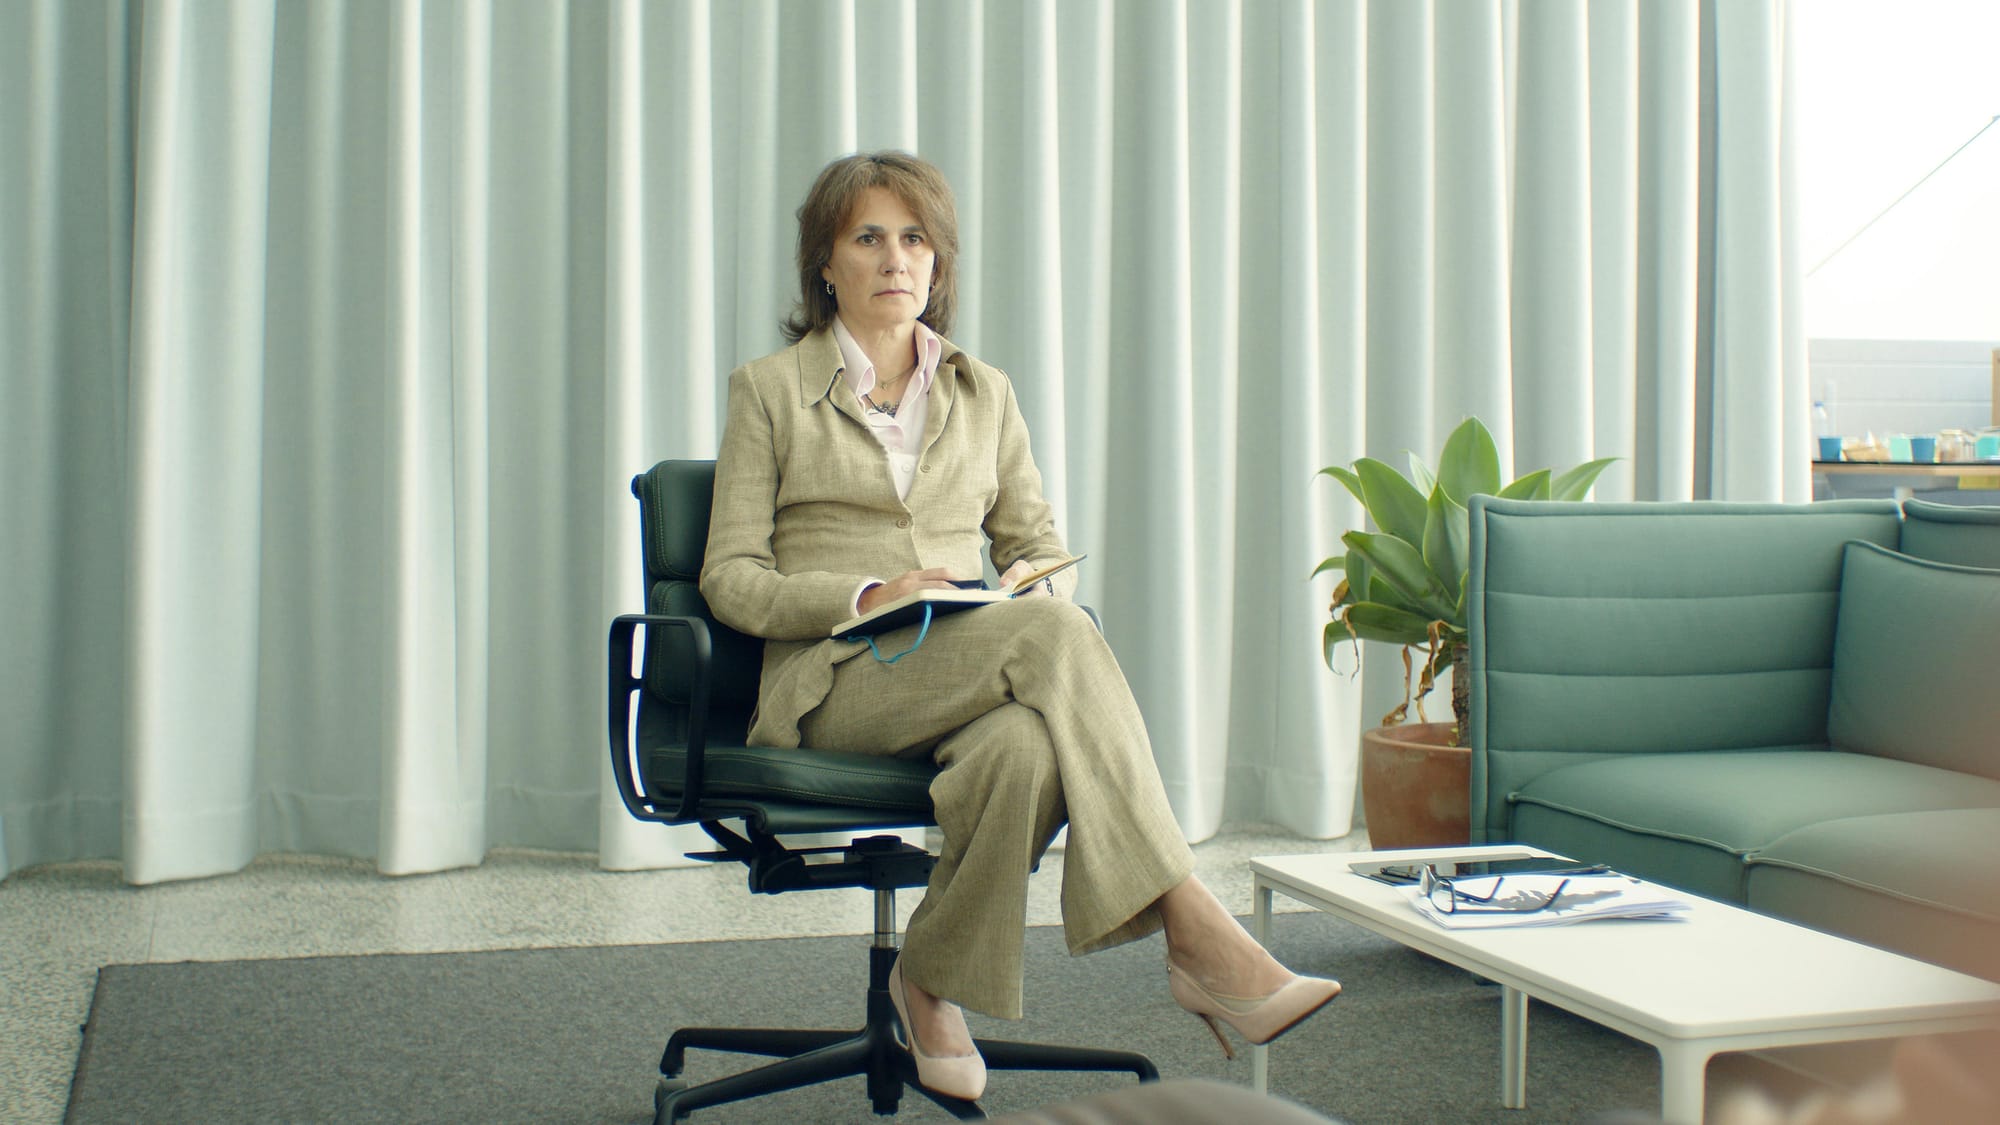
(830, 205)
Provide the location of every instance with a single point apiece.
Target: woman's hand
(1019, 571)
(936, 578)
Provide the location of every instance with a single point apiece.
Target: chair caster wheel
(667, 1088)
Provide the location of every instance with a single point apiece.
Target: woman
(872, 459)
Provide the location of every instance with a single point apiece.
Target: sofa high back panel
(1949, 533)
(1602, 629)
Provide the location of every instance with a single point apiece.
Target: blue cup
(1989, 447)
(1829, 447)
(1923, 448)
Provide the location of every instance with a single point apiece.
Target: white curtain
(333, 333)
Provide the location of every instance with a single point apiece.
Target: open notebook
(909, 609)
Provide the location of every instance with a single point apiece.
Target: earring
(829, 288)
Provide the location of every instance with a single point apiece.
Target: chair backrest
(674, 502)
(774, 790)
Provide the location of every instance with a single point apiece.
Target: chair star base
(811, 1057)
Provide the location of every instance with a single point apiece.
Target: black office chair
(696, 688)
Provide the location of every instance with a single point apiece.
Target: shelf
(1984, 469)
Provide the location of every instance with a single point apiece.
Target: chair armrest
(696, 655)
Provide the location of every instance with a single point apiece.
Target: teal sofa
(1791, 707)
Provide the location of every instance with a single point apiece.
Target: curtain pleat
(337, 332)
(433, 808)
(1400, 389)
(1311, 783)
(325, 477)
(1214, 104)
(1083, 58)
(1614, 265)
(653, 265)
(191, 655)
(1756, 391)
(66, 166)
(1289, 761)
(1553, 404)
(1150, 423)
(470, 343)
(1031, 234)
(1666, 250)
(1473, 295)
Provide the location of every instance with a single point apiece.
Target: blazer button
(904, 522)
(926, 466)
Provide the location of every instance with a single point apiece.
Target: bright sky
(1886, 91)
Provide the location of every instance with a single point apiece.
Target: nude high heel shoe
(958, 1076)
(1259, 1019)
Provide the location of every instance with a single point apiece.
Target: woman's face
(881, 265)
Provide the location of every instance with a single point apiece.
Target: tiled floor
(60, 923)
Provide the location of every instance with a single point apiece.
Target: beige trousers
(1024, 706)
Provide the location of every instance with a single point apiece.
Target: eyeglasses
(1445, 897)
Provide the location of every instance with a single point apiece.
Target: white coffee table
(1724, 979)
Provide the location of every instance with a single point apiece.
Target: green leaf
(1421, 475)
(1461, 529)
(1373, 621)
(1446, 530)
(1334, 635)
(1470, 462)
(1575, 484)
(1360, 578)
(1395, 503)
(1347, 477)
(1402, 567)
(1381, 593)
(1337, 562)
(1534, 486)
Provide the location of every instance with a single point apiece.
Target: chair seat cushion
(862, 783)
(1689, 819)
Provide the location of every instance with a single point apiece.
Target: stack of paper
(1514, 897)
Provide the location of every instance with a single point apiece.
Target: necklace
(882, 385)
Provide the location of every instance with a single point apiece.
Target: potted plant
(1405, 583)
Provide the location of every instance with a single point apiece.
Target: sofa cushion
(1689, 819)
(1903, 880)
(1952, 533)
(1913, 674)
(1691, 864)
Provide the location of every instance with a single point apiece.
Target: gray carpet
(574, 1035)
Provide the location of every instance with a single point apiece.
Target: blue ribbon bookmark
(921, 632)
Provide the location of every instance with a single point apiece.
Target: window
(1886, 93)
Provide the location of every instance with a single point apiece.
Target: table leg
(1513, 1047)
(1260, 928)
(1683, 1083)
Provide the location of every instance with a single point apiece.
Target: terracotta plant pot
(1415, 786)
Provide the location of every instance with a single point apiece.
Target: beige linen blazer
(806, 511)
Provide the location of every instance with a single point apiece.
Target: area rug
(574, 1035)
